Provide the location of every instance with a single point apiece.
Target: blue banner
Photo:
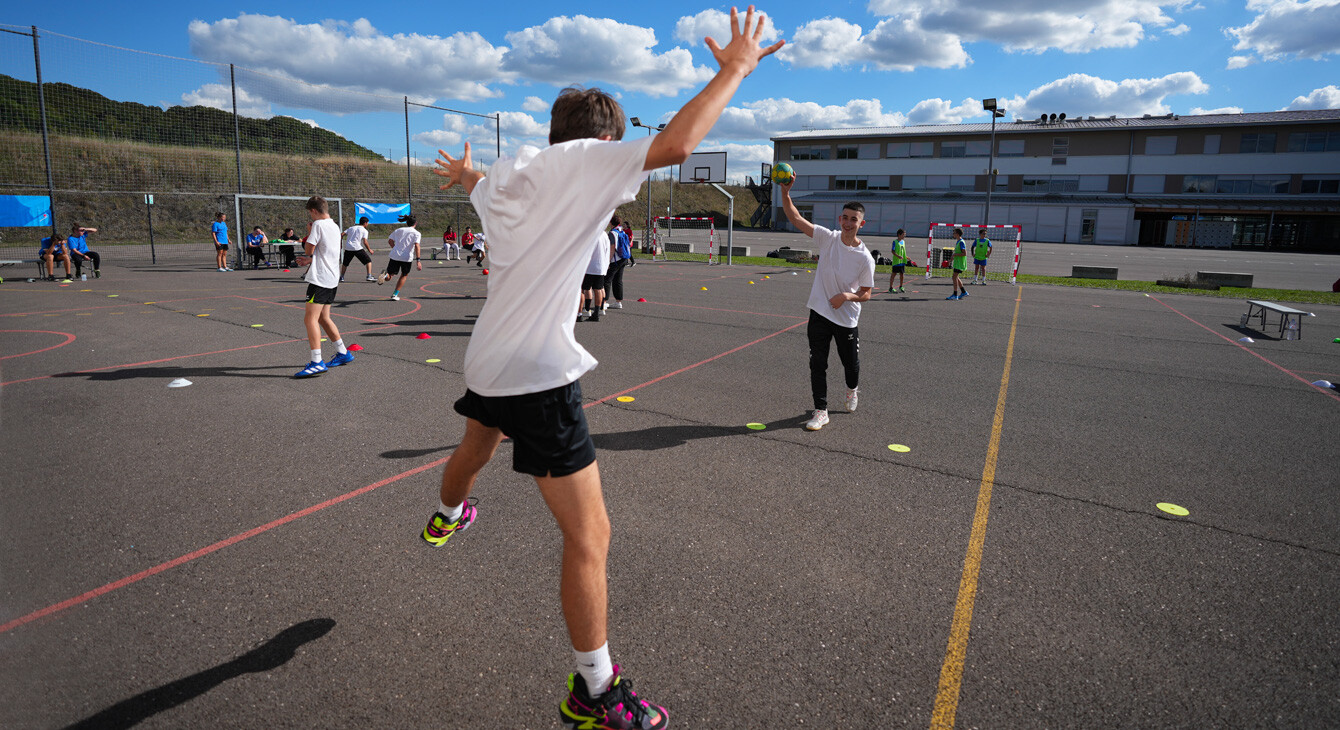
(380, 212)
(31, 211)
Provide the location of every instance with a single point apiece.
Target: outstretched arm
(458, 170)
(792, 214)
(740, 56)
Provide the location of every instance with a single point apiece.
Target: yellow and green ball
(782, 174)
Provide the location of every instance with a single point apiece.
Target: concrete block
(1093, 272)
(1223, 278)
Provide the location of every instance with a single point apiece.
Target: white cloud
(1284, 28)
(767, 117)
(890, 45)
(1032, 25)
(581, 49)
(535, 104)
(1221, 110)
(1240, 61)
(220, 96)
(1180, 29)
(692, 29)
(517, 129)
(1080, 94)
(943, 111)
(334, 56)
(1327, 97)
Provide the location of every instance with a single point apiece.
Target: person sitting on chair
(53, 250)
(290, 260)
(256, 247)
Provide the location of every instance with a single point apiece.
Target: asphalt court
(252, 540)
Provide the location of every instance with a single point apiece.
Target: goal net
(671, 235)
(1002, 263)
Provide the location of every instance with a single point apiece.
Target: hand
(303, 260)
(743, 49)
(838, 300)
(419, 264)
(453, 169)
(786, 187)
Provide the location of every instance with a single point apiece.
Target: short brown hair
(584, 113)
(318, 204)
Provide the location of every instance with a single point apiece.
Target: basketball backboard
(703, 167)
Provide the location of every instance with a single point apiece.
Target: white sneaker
(395, 297)
(819, 420)
(372, 278)
(616, 305)
(221, 269)
(851, 399)
(382, 278)
(227, 269)
(604, 308)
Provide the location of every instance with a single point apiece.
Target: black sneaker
(618, 709)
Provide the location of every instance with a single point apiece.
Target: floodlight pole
(646, 233)
(990, 105)
(46, 143)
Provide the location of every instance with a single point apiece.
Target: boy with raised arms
(541, 210)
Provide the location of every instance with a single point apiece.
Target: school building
(1268, 180)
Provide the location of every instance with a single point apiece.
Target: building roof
(1075, 124)
(1329, 204)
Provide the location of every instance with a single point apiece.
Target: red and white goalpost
(675, 234)
(996, 233)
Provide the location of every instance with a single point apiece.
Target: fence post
(237, 152)
(46, 143)
(409, 176)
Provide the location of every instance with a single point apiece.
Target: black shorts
(548, 429)
(898, 268)
(320, 294)
(958, 271)
(394, 267)
(593, 281)
(220, 247)
(360, 254)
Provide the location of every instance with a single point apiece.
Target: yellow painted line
(951, 671)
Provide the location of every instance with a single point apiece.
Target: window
(1010, 148)
(1270, 185)
(1255, 143)
(1060, 147)
(1036, 183)
(953, 149)
(980, 148)
(847, 152)
(911, 149)
(900, 149)
(850, 182)
(868, 151)
(811, 182)
(1039, 184)
(1058, 160)
(877, 182)
(1198, 183)
(1234, 184)
(937, 182)
(914, 182)
(1314, 142)
(1147, 184)
(923, 149)
(1093, 183)
(1321, 185)
(811, 153)
(1211, 144)
(962, 182)
(806, 212)
(1161, 145)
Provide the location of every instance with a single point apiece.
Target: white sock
(316, 355)
(340, 348)
(452, 513)
(596, 668)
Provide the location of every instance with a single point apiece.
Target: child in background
(404, 243)
(959, 264)
(900, 261)
(981, 251)
(322, 251)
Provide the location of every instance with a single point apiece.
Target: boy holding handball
(522, 363)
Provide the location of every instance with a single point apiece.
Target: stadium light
(646, 231)
(990, 106)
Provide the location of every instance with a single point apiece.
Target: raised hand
(452, 168)
(743, 48)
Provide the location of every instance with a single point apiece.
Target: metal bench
(15, 262)
(1290, 321)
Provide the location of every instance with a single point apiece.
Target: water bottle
(83, 277)
(1292, 332)
(1243, 321)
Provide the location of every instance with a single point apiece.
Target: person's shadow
(269, 656)
(667, 437)
(173, 371)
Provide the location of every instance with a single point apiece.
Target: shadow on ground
(174, 372)
(668, 437)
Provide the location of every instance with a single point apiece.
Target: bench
(1093, 272)
(1223, 278)
(41, 270)
(1290, 322)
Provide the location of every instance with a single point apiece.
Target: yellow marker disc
(145, 302)
(202, 315)
(625, 399)
(257, 325)
(432, 359)
(1173, 509)
(767, 277)
(113, 295)
(751, 282)
(83, 314)
(899, 448)
(704, 288)
(756, 426)
(92, 290)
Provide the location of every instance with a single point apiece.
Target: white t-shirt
(600, 257)
(542, 210)
(354, 236)
(325, 268)
(478, 245)
(403, 241)
(841, 268)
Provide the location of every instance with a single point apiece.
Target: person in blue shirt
(76, 245)
(621, 253)
(219, 232)
(256, 247)
(53, 250)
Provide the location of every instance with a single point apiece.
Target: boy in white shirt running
(844, 278)
(322, 249)
(404, 243)
(357, 246)
(542, 211)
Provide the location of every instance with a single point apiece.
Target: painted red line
(1263, 358)
(732, 311)
(114, 585)
(690, 367)
(290, 305)
(180, 357)
(108, 588)
(68, 339)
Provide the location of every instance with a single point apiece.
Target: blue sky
(347, 67)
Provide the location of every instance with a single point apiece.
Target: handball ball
(782, 173)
